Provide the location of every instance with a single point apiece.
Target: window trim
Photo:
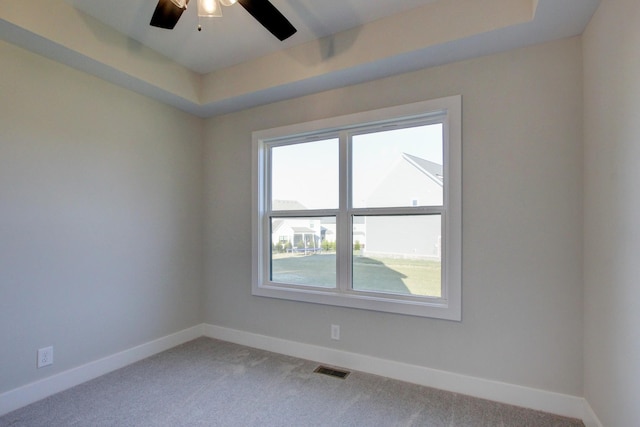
(448, 307)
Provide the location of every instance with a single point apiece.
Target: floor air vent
(332, 372)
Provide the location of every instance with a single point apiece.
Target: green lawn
(400, 276)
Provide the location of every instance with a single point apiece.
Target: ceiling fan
(168, 12)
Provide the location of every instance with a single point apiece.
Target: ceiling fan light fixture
(209, 8)
(182, 4)
(168, 12)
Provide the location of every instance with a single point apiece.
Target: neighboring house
(307, 233)
(412, 181)
(294, 233)
(329, 233)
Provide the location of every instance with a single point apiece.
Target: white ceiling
(234, 63)
(236, 37)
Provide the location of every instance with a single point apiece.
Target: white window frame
(447, 111)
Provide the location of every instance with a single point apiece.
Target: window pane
(305, 176)
(400, 167)
(303, 251)
(398, 254)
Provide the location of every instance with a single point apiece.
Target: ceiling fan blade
(166, 14)
(270, 17)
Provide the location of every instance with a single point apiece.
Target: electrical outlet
(45, 357)
(335, 332)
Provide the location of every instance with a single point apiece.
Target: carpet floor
(207, 382)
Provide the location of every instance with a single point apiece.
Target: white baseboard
(556, 403)
(29, 393)
(547, 401)
(590, 418)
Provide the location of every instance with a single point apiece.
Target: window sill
(438, 308)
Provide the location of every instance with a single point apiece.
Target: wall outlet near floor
(45, 357)
(335, 332)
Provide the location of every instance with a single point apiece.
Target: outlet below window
(45, 357)
(335, 332)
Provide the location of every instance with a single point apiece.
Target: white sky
(308, 172)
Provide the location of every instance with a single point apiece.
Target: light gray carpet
(208, 382)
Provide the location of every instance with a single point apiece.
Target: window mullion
(343, 254)
(423, 210)
(265, 205)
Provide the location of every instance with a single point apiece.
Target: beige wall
(612, 212)
(522, 223)
(100, 217)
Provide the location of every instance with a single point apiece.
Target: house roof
(359, 219)
(276, 224)
(431, 169)
(303, 230)
(287, 205)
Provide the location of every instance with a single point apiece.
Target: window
(362, 210)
